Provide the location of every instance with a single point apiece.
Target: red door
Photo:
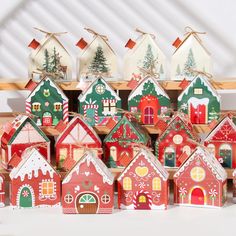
(142, 202)
(47, 119)
(198, 114)
(148, 116)
(197, 197)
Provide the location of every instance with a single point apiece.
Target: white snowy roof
(89, 158)
(32, 161)
(148, 155)
(138, 90)
(211, 162)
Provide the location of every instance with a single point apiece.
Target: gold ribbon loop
(151, 70)
(143, 32)
(96, 34)
(50, 33)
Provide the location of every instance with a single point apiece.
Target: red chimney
(34, 44)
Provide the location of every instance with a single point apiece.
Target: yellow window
(156, 184)
(197, 174)
(78, 153)
(142, 199)
(62, 153)
(48, 188)
(127, 183)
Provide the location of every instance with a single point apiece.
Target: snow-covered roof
(138, 89)
(100, 167)
(211, 162)
(205, 82)
(148, 155)
(89, 90)
(32, 162)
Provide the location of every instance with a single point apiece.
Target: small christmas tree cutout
(190, 64)
(149, 57)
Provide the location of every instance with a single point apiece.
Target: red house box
(119, 144)
(88, 187)
(34, 182)
(2, 191)
(75, 139)
(234, 186)
(143, 185)
(221, 142)
(23, 133)
(176, 140)
(200, 181)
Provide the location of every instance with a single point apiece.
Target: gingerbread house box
(150, 99)
(34, 182)
(75, 139)
(88, 187)
(2, 191)
(47, 103)
(49, 56)
(121, 145)
(96, 58)
(178, 138)
(200, 101)
(141, 54)
(143, 184)
(190, 55)
(23, 133)
(99, 102)
(200, 181)
(234, 186)
(221, 142)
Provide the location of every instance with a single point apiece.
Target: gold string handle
(49, 33)
(91, 31)
(143, 32)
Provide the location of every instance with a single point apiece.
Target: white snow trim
(38, 206)
(198, 206)
(196, 101)
(132, 207)
(101, 168)
(32, 162)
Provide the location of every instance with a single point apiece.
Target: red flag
(183, 84)
(60, 126)
(31, 85)
(34, 44)
(81, 43)
(177, 42)
(130, 44)
(68, 163)
(15, 160)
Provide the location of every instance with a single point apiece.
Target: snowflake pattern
(25, 193)
(142, 185)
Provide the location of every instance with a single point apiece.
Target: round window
(198, 174)
(177, 139)
(105, 198)
(68, 198)
(100, 89)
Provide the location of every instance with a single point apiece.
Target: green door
(90, 114)
(226, 155)
(169, 157)
(25, 197)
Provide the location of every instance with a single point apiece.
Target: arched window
(187, 150)
(127, 183)
(113, 153)
(156, 184)
(142, 199)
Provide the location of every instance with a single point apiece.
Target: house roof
(32, 162)
(101, 168)
(148, 155)
(212, 163)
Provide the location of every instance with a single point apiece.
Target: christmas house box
(47, 103)
(22, 133)
(150, 99)
(234, 186)
(221, 142)
(177, 138)
(75, 139)
(200, 181)
(189, 55)
(142, 54)
(2, 191)
(34, 182)
(49, 56)
(99, 102)
(96, 58)
(88, 187)
(200, 101)
(143, 184)
(122, 143)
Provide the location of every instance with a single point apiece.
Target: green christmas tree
(55, 61)
(99, 63)
(213, 114)
(46, 64)
(189, 64)
(178, 71)
(111, 163)
(149, 57)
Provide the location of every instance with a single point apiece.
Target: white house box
(190, 55)
(141, 55)
(49, 56)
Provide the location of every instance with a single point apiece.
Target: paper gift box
(34, 182)
(22, 134)
(96, 58)
(221, 142)
(2, 191)
(234, 186)
(143, 184)
(190, 54)
(141, 55)
(119, 148)
(49, 56)
(88, 187)
(48, 103)
(200, 101)
(178, 137)
(99, 102)
(75, 139)
(200, 181)
(150, 99)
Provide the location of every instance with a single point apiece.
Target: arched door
(90, 115)
(169, 156)
(149, 116)
(142, 202)
(87, 203)
(226, 155)
(26, 199)
(198, 113)
(197, 196)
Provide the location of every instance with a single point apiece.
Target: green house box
(99, 102)
(200, 101)
(48, 103)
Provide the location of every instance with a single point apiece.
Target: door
(197, 196)
(148, 116)
(142, 202)
(226, 155)
(90, 115)
(198, 113)
(87, 203)
(169, 156)
(26, 197)
(47, 119)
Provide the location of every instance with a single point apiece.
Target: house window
(142, 199)
(133, 109)
(36, 106)
(197, 91)
(187, 150)
(47, 188)
(164, 110)
(68, 198)
(197, 174)
(177, 139)
(113, 153)
(109, 106)
(62, 154)
(78, 153)
(105, 198)
(100, 89)
(127, 183)
(57, 106)
(156, 184)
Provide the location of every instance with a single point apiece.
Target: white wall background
(117, 19)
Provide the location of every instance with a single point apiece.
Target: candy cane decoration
(149, 197)
(65, 111)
